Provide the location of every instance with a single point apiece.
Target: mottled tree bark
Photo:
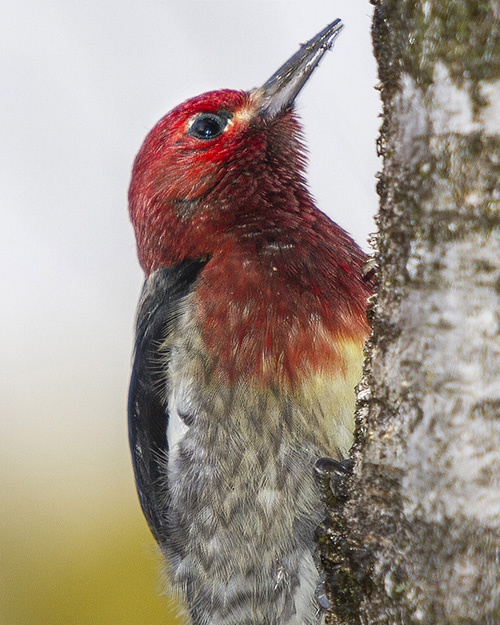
(418, 540)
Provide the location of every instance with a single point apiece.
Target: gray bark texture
(415, 537)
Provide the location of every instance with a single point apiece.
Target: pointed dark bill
(280, 91)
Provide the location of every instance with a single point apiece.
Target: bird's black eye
(208, 126)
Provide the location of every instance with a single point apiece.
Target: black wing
(157, 314)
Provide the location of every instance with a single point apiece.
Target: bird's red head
(199, 165)
(217, 161)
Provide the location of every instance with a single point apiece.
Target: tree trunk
(418, 540)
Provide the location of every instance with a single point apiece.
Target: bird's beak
(280, 91)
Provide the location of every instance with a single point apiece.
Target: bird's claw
(332, 476)
(328, 466)
(320, 594)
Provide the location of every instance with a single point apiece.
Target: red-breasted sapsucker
(249, 343)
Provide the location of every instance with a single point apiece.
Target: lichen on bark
(424, 505)
(412, 36)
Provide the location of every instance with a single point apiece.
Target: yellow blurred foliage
(72, 569)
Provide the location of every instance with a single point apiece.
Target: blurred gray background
(82, 83)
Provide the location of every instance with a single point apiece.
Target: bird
(249, 343)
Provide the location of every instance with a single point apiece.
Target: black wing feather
(147, 410)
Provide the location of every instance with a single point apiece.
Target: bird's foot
(320, 593)
(332, 476)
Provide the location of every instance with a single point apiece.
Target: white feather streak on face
(245, 114)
